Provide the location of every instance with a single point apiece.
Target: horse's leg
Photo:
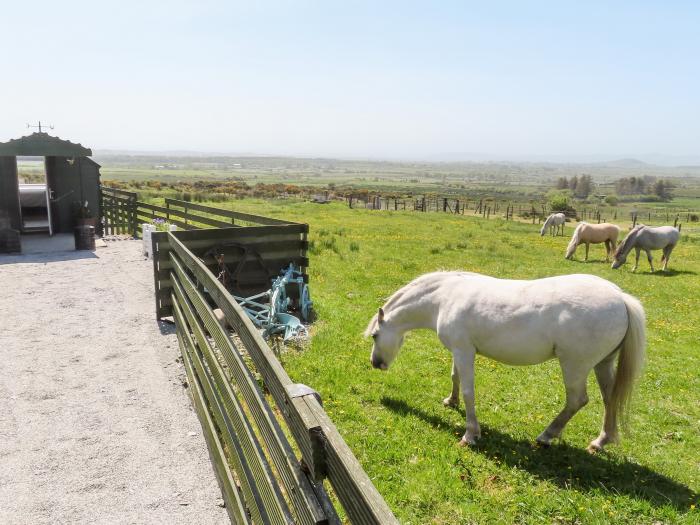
(453, 399)
(587, 246)
(649, 258)
(464, 363)
(607, 250)
(605, 374)
(636, 260)
(576, 398)
(667, 255)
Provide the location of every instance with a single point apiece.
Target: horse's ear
(380, 315)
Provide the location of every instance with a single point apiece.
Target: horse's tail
(573, 243)
(630, 360)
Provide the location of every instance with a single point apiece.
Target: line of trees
(662, 189)
(581, 187)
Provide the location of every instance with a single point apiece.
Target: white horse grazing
(554, 222)
(594, 234)
(582, 320)
(647, 238)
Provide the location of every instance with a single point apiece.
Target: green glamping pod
(68, 193)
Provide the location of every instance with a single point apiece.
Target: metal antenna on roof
(39, 126)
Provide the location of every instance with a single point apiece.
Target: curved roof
(42, 145)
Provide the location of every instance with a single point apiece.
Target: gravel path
(95, 425)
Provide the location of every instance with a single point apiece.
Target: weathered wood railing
(118, 211)
(123, 212)
(262, 478)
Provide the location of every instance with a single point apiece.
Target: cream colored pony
(594, 234)
(584, 321)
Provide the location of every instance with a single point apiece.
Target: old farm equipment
(269, 310)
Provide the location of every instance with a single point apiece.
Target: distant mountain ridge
(626, 163)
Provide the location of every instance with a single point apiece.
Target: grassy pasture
(406, 439)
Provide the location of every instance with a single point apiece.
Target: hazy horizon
(398, 81)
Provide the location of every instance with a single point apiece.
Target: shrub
(558, 200)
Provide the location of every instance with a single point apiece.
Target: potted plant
(83, 215)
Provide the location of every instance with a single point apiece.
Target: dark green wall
(9, 191)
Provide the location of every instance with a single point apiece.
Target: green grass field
(407, 441)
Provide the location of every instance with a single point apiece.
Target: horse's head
(387, 341)
(618, 260)
(620, 255)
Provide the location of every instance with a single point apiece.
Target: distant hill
(626, 163)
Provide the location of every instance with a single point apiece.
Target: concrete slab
(43, 243)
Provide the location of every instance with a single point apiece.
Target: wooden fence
(273, 447)
(123, 213)
(261, 476)
(118, 211)
(492, 207)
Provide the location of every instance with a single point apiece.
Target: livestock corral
(313, 434)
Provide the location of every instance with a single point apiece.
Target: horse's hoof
(594, 448)
(450, 402)
(467, 442)
(543, 441)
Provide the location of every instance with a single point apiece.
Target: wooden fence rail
(123, 212)
(243, 430)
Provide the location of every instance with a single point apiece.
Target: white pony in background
(584, 321)
(555, 222)
(647, 238)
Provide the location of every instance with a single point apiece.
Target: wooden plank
(205, 238)
(354, 489)
(182, 214)
(233, 233)
(227, 213)
(265, 495)
(234, 504)
(204, 242)
(251, 265)
(118, 192)
(297, 486)
(149, 219)
(162, 310)
(274, 249)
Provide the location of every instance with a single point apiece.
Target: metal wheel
(305, 303)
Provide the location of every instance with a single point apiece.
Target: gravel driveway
(95, 425)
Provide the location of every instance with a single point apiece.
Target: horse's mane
(574, 239)
(626, 245)
(398, 294)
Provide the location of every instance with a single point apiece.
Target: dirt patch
(96, 426)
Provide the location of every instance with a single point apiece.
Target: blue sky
(414, 80)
